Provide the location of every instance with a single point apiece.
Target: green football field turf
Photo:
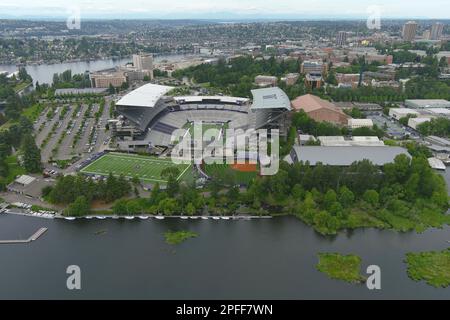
(147, 169)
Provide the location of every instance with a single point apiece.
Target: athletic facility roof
(146, 96)
(221, 99)
(270, 98)
(345, 156)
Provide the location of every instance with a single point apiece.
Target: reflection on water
(44, 73)
(258, 259)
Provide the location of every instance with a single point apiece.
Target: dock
(34, 237)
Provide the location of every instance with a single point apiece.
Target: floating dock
(34, 237)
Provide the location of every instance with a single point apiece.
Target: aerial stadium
(148, 117)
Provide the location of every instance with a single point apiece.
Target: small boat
(88, 217)
(115, 217)
(194, 218)
(129, 218)
(143, 217)
(70, 218)
(159, 217)
(100, 217)
(100, 232)
(225, 218)
(184, 217)
(216, 218)
(205, 218)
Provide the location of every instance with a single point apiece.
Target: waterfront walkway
(34, 237)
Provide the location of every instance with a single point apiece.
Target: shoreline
(50, 63)
(141, 217)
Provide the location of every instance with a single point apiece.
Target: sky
(220, 9)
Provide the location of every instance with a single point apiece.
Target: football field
(147, 169)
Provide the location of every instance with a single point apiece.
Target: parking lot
(393, 128)
(73, 134)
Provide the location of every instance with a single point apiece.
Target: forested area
(67, 80)
(237, 77)
(75, 190)
(18, 151)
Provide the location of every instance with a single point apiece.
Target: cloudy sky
(205, 9)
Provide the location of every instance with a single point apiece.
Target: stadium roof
(223, 99)
(345, 156)
(146, 96)
(270, 98)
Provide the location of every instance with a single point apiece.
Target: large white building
(360, 123)
(398, 113)
(415, 122)
(427, 103)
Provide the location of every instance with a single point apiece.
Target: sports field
(241, 174)
(147, 169)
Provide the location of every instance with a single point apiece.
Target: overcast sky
(438, 9)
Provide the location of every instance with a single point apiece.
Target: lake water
(44, 73)
(258, 259)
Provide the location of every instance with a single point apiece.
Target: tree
(168, 206)
(111, 89)
(330, 198)
(371, 197)
(346, 197)
(23, 75)
(331, 78)
(120, 207)
(190, 209)
(31, 155)
(78, 208)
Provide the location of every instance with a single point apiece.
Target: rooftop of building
(309, 102)
(270, 98)
(346, 155)
(146, 96)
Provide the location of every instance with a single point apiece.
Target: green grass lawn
(20, 86)
(34, 111)
(14, 168)
(147, 169)
(221, 170)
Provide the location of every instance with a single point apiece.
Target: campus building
(320, 110)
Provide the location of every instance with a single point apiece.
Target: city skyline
(233, 9)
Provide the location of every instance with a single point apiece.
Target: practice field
(241, 174)
(147, 169)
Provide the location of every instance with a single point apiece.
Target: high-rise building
(143, 61)
(341, 38)
(436, 31)
(409, 30)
